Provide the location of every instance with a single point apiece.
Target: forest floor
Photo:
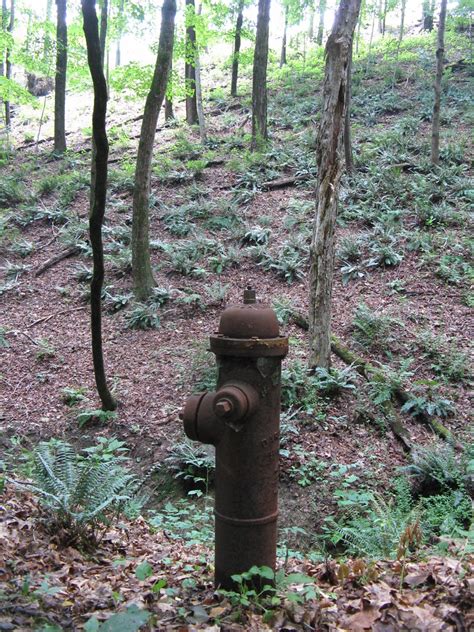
(402, 299)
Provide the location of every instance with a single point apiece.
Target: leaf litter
(142, 579)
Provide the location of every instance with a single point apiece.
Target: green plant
(436, 468)
(82, 493)
(429, 404)
(350, 249)
(186, 521)
(72, 396)
(194, 464)
(203, 371)
(331, 382)
(299, 387)
(448, 361)
(256, 236)
(372, 329)
(143, 317)
(96, 416)
(45, 349)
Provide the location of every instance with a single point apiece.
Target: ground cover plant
(109, 514)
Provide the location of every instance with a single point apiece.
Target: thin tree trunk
(402, 26)
(98, 194)
(311, 22)
(8, 62)
(237, 44)
(427, 17)
(47, 38)
(4, 28)
(103, 29)
(259, 83)
(199, 106)
(190, 65)
(322, 13)
(359, 25)
(437, 85)
(119, 34)
(329, 161)
(169, 114)
(60, 79)
(384, 17)
(347, 119)
(283, 43)
(142, 274)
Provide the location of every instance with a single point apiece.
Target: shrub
(143, 317)
(372, 329)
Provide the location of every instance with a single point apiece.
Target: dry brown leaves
(61, 586)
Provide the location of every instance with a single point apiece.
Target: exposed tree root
(370, 372)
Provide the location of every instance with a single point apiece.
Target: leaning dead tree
(437, 85)
(330, 160)
(100, 156)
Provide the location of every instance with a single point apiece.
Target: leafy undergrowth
(140, 577)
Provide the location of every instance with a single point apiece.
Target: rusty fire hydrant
(242, 420)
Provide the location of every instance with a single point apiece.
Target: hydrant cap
(250, 320)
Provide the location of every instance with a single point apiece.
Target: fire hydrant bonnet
(249, 321)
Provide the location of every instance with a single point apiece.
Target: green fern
(81, 492)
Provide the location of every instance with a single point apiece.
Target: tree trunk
(142, 274)
(437, 85)
(384, 17)
(199, 106)
(169, 114)
(98, 194)
(283, 43)
(427, 17)
(259, 83)
(237, 43)
(322, 12)
(47, 38)
(119, 34)
(402, 25)
(4, 28)
(311, 22)
(8, 62)
(103, 29)
(329, 160)
(60, 79)
(190, 65)
(347, 118)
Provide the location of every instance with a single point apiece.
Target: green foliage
(372, 329)
(438, 468)
(96, 416)
(143, 317)
(331, 382)
(447, 360)
(73, 395)
(194, 464)
(82, 492)
(256, 236)
(203, 371)
(11, 191)
(131, 620)
(430, 404)
(186, 521)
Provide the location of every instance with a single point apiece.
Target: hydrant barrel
(244, 427)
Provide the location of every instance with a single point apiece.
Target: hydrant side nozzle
(235, 401)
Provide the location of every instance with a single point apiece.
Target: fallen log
(371, 373)
(65, 254)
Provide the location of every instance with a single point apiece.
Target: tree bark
(199, 106)
(169, 114)
(98, 194)
(427, 16)
(437, 85)
(402, 25)
(283, 43)
(47, 38)
(329, 161)
(4, 28)
(259, 83)
(119, 34)
(190, 65)
(142, 274)
(8, 62)
(237, 44)
(311, 22)
(349, 158)
(104, 11)
(322, 12)
(60, 79)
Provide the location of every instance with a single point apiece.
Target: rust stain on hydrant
(242, 420)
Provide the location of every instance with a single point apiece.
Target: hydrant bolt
(223, 407)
